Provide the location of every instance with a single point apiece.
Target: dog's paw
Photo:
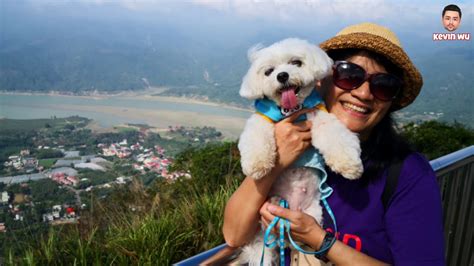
(256, 168)
(347, 165)
(257, 147)
(344, 156)
(339, 146)
(256, 163)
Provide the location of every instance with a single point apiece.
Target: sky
(402, 13)
(318, 18)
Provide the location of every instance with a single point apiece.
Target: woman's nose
(363, 92)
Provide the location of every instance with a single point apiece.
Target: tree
(435, 139)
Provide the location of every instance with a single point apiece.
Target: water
(116, 110)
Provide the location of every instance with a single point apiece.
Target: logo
(451, 20)
(451, 36)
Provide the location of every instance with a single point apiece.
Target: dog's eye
(296, 62)
(268, 72)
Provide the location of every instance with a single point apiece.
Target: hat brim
(412, 80)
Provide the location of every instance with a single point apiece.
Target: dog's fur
(305, 64)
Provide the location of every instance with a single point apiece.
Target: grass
(125, 129)
(47, 163)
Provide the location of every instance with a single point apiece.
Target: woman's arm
(241, 217)
(304, 228)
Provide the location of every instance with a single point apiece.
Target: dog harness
(311, 158)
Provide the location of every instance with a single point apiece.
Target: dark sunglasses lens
(384, 86)
(348, 76)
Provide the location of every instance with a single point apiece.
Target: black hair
(451, 8)
(384, 145)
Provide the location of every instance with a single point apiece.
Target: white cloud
(287, 9)
(401, 13)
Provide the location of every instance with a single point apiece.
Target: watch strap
(328, 241)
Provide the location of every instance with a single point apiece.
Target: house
(122, 180)
(73, 180)
(135, 146)
(70, 212)
(4, 198)
(14, 158)
(92, 166)
(18, 217)
(3, 228)
(56, 211)
(48, 217)
(29, 163)
(106, 185)
(63, 179)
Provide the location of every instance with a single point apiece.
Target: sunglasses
(349, 76)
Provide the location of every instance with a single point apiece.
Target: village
(73, 175)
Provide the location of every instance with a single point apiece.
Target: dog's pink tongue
(288, 98)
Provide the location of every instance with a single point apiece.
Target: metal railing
(455, 174)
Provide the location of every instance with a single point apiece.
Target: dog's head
(285, 72)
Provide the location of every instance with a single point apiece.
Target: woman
(372, 77)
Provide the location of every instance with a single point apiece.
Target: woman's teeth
(355, 108)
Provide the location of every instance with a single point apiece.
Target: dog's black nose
(282, 77)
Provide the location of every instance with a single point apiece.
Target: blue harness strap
(270, 240)
(312, 159)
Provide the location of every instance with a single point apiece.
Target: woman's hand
(241, 220)
(292, 139)
(304, 227)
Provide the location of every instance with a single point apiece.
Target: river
(109, 111)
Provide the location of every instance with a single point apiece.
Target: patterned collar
(269, 109)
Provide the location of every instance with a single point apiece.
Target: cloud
(288, 10)
(405, 14)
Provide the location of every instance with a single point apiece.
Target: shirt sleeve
(413, 220)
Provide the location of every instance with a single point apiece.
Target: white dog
(285, 75)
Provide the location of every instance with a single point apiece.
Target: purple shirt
(409, 232)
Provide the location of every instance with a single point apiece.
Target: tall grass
(158, 225)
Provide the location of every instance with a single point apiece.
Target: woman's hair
(384, 145)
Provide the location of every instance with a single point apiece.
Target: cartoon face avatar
(451, 17)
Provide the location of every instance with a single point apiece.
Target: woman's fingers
(275, 210)
(265, 213)
(306, 136)
(303, 126)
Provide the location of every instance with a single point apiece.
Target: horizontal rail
(452, 158)
(197, 259)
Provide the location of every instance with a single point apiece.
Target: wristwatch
(328, 241)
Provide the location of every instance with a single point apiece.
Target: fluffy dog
(285, 74)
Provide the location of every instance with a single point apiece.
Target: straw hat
(383, 41)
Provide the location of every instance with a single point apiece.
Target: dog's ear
(252, 53)
(321, 63)
(248, 90)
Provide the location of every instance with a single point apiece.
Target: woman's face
(358, 109)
